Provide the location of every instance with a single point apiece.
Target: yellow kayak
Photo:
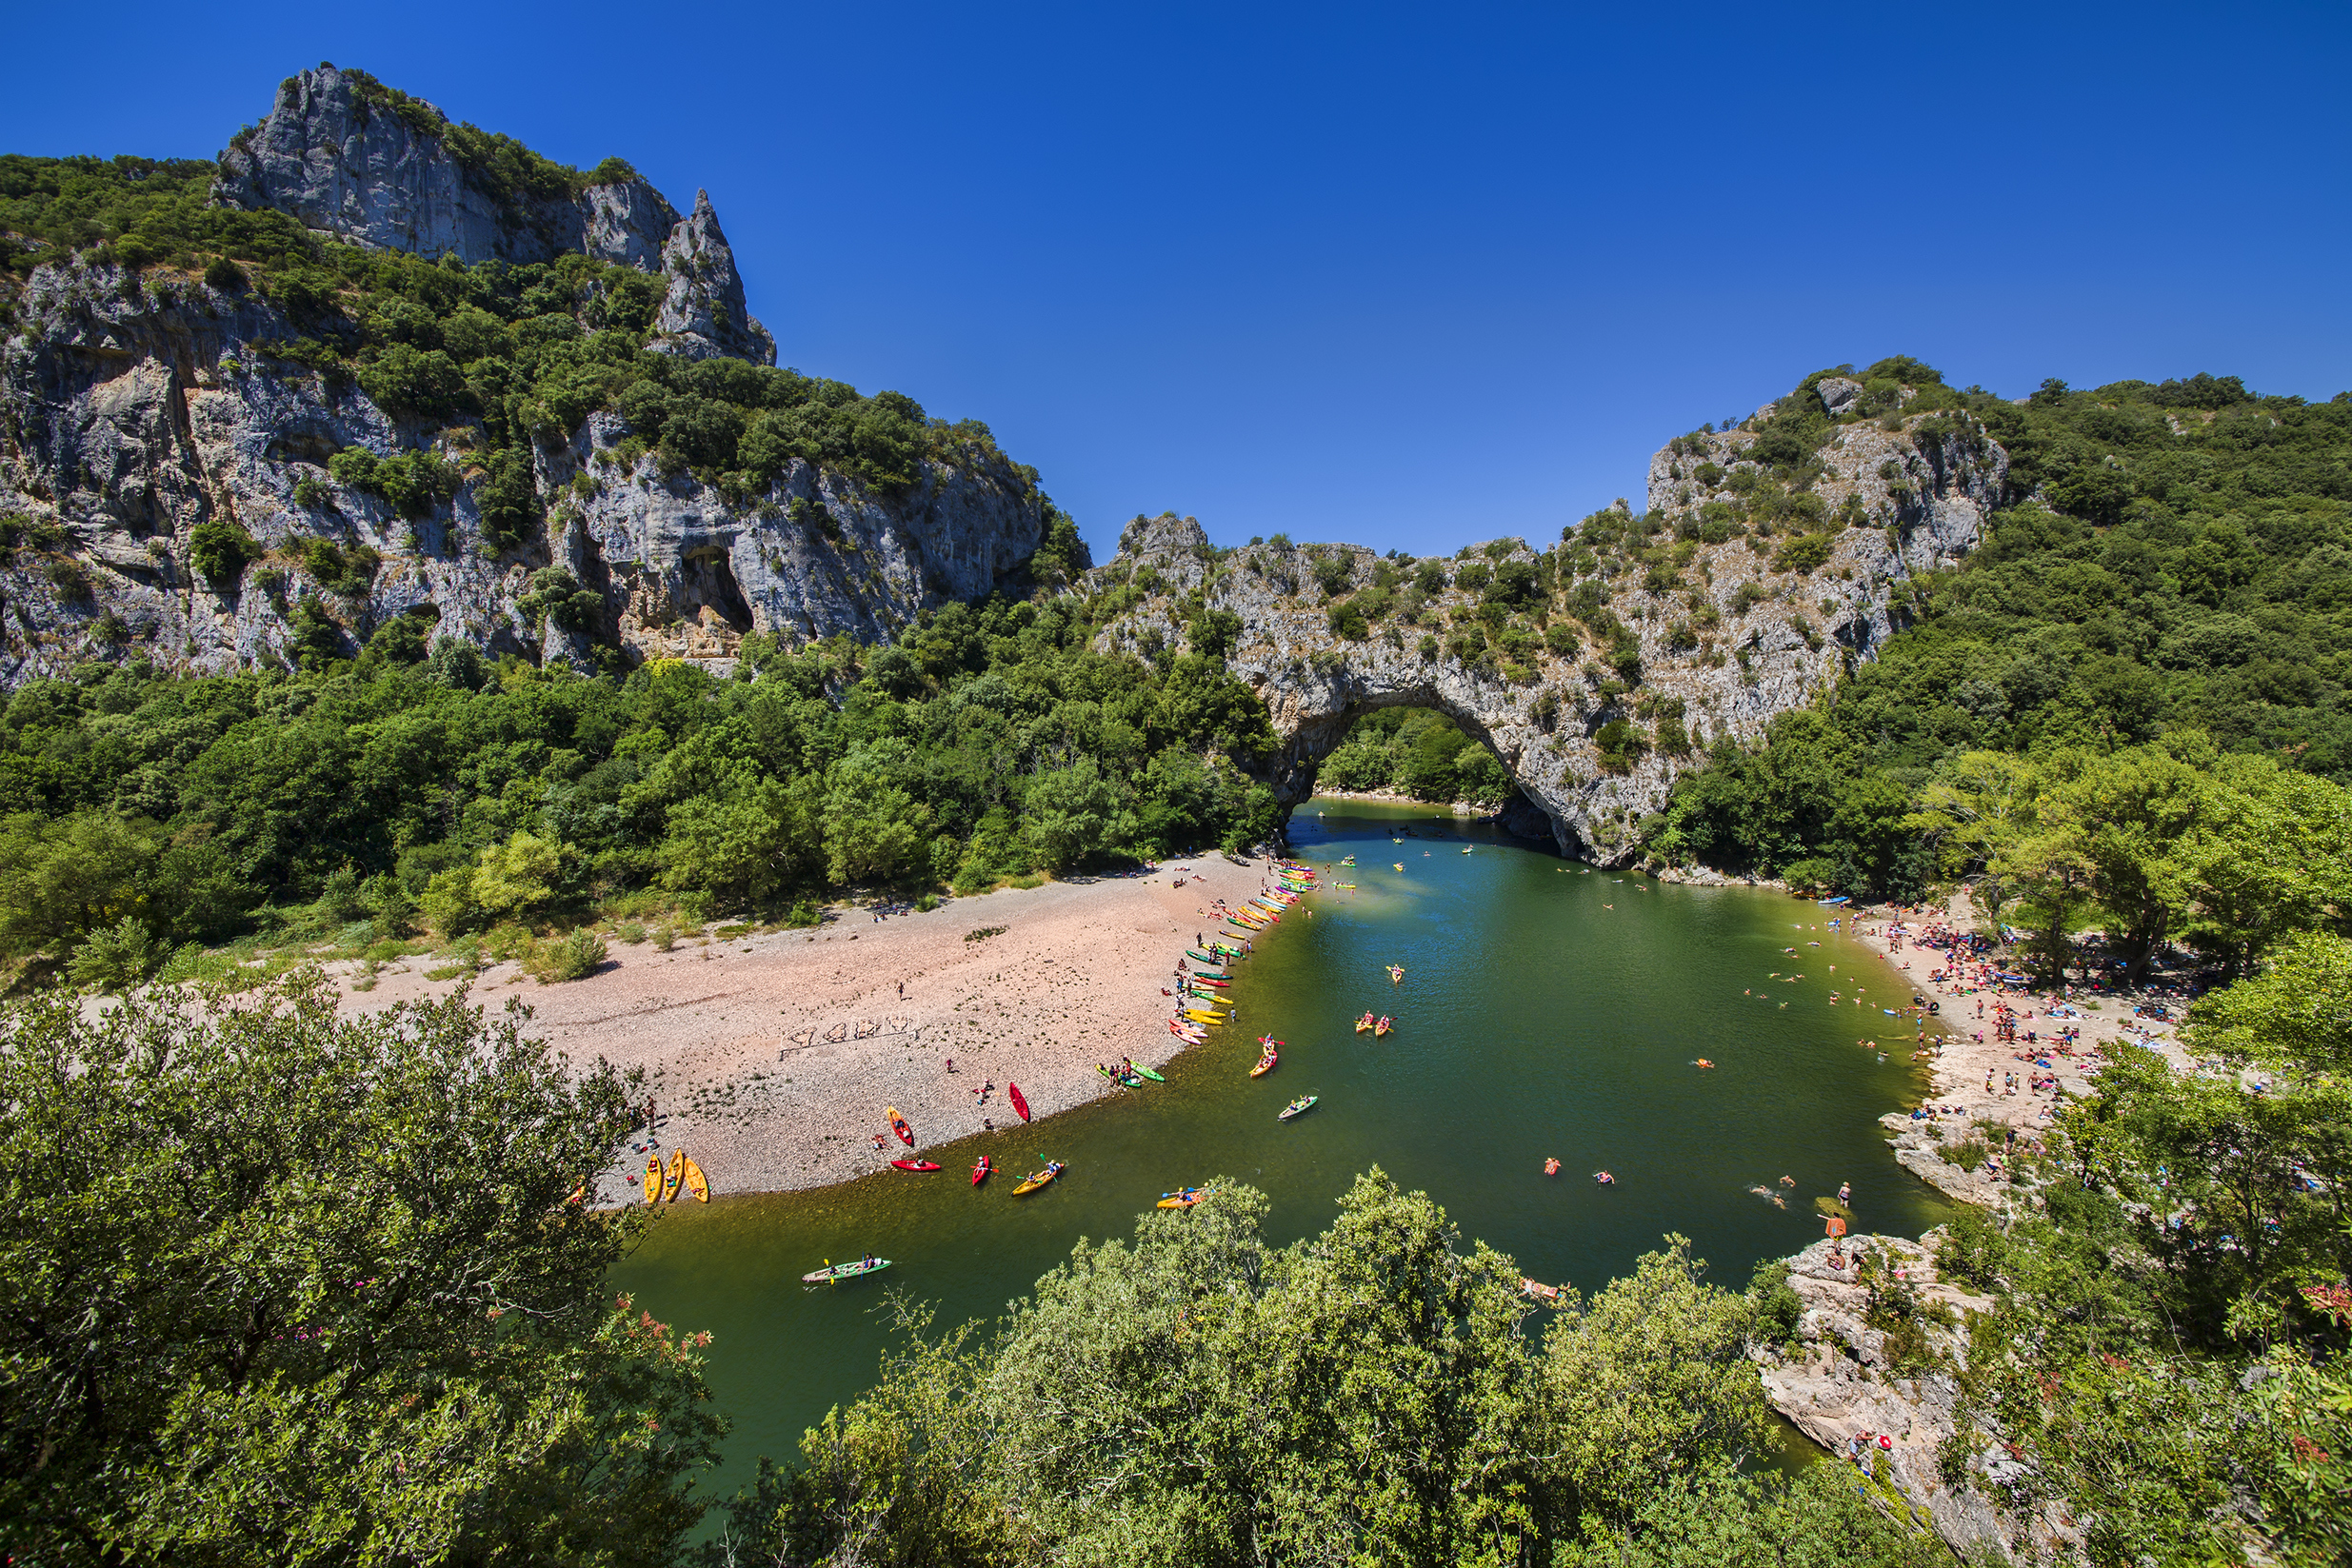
(1040, 1179)
(677, 1174)
(653, 1178)
(694, 1182)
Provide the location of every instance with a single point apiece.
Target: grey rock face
(1838, 393)
(341, 160)
(704, 314)
(1737, 642)
(134, 417)
(1838, 1386)
(345, 162)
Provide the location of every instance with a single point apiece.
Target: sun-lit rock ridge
(1729, 635)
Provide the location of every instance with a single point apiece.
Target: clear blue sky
(1407, 276)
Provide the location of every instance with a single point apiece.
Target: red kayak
(916, 1165)
(1012, 1092)
(980, 1172)
(898, 1125)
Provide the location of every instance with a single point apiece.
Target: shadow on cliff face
(708, 580)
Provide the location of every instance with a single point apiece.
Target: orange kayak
(694, 1182)
(653, 1178)
(677, 1175)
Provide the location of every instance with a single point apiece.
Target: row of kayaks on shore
(664, 1183)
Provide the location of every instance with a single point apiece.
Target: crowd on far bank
(2014, 1051)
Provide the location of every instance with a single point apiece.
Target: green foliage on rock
(220, 550)
(2171, 556)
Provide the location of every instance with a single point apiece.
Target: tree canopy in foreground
(281, 1287)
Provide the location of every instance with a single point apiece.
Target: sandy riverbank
(1993, 1080)
(1962, 1063)
(770, 1057)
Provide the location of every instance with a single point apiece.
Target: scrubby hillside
(2165, 557)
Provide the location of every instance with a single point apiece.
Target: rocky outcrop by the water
(1841, 1386)
(137, 407)
(1918, 1148)
(1737, 637)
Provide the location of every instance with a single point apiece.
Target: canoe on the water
(653, 1178)
(1298, 1107)
(695, 1181)
(898, 1125)
(1012, 1092)
(1149, 1073)
(1040, 1179)
(1265, 1065)
(843, 1271)
(980, 1172)
(676, 1176)
(1184, 1200)
(916, 1165)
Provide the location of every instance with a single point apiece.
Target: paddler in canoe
(1364, 1024)
(1381, 1028)
(1396, 974)
(1054, 1168)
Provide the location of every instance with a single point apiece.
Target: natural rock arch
(1777, 635)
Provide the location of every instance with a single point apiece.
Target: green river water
(1534, 1021)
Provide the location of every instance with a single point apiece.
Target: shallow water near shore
(1534, 1021)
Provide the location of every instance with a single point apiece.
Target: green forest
(1416, 752)
(2182, 566)
(142, 815)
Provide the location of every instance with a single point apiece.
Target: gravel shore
(770, 1057)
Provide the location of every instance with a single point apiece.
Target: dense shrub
(220, 550)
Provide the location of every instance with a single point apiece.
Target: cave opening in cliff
(710, 580)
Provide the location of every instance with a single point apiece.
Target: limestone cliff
(1727, 633)
(139, 405)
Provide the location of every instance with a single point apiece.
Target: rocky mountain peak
(703, 315)
(348, 156)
